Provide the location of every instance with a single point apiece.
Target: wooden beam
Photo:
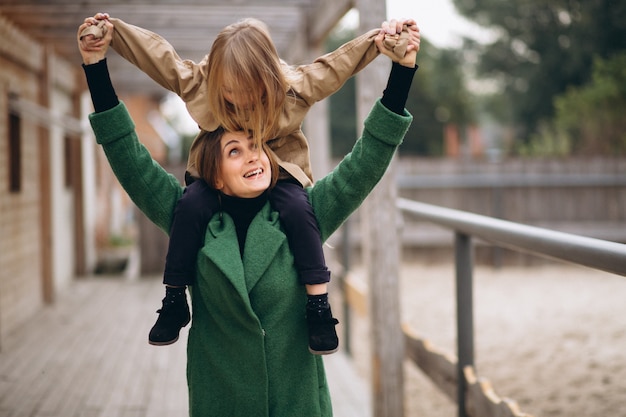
(440, 367)
(45, 188)
(21, 48)
(189, 25)
(323, 18)
(482, 400)
(356, 294)
(158, 3)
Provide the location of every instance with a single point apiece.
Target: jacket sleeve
(151, 188)
(324, 76)
(341, 192)
(156, 57)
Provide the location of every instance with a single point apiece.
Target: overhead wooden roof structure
(190, 25)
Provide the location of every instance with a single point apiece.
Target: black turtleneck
(242, 211)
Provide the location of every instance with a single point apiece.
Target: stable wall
(38, 218)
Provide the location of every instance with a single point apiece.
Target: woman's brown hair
(209, 157)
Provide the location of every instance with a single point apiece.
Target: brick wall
(20, 232)
(27, 70)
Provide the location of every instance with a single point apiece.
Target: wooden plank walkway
(88, 356)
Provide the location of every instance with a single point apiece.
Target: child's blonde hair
(244, 54)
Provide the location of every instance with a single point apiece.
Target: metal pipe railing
(464, 265)
(595, 253)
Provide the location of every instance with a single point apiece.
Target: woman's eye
(233, 152)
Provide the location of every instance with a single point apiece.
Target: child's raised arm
(153, 55)
(318, 80)
(156, 57)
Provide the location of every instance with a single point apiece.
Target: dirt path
(552, 338)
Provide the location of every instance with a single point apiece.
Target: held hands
(91, 48)
(393, 29)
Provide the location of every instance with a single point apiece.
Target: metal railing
(594, 253)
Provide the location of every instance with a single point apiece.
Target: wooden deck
(88, 356)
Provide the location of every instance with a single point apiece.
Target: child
(243, 85)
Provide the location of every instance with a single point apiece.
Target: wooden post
(381, 253)
(78, 189)
(317, 128)
(45, 187)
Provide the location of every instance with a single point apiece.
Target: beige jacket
(310, 83)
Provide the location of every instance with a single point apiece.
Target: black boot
(173, 316)
(323, 338)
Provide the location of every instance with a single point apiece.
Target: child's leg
(297, 217)
(191, 216)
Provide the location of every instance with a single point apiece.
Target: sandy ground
(552, 338)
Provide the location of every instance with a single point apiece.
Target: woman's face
(245, 170)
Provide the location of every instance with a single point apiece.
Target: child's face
(241, 94)
(237, 93)
(245, 170)
(236, 97)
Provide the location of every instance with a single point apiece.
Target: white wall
(63, 252)
(89, 149)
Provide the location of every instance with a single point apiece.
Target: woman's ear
(219, 184)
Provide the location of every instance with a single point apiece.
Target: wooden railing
(456, 376)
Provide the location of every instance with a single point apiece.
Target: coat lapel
(263, 241)
(262, 244)
(222, 248)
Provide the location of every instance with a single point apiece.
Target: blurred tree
(438, 96)
(541, 48)
(589, 119)
(342, 104)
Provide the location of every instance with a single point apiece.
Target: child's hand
(394, 28)
(414, 35)
(94, 49)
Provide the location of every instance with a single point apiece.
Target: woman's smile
(254, 173)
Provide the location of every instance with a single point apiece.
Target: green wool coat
(247, 350)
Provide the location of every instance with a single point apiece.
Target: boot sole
(323, 352)
(166, 343)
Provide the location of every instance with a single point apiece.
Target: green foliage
(438, 96)
(542, 48)
(342, 105)
(590, 119)
(186, 142)
(118, 241)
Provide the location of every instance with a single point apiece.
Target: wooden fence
(456, 376)
(585, 197)
(578, 196)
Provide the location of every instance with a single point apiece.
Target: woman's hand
(91, 48)
(393, 28)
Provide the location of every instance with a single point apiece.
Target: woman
(247, 346)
